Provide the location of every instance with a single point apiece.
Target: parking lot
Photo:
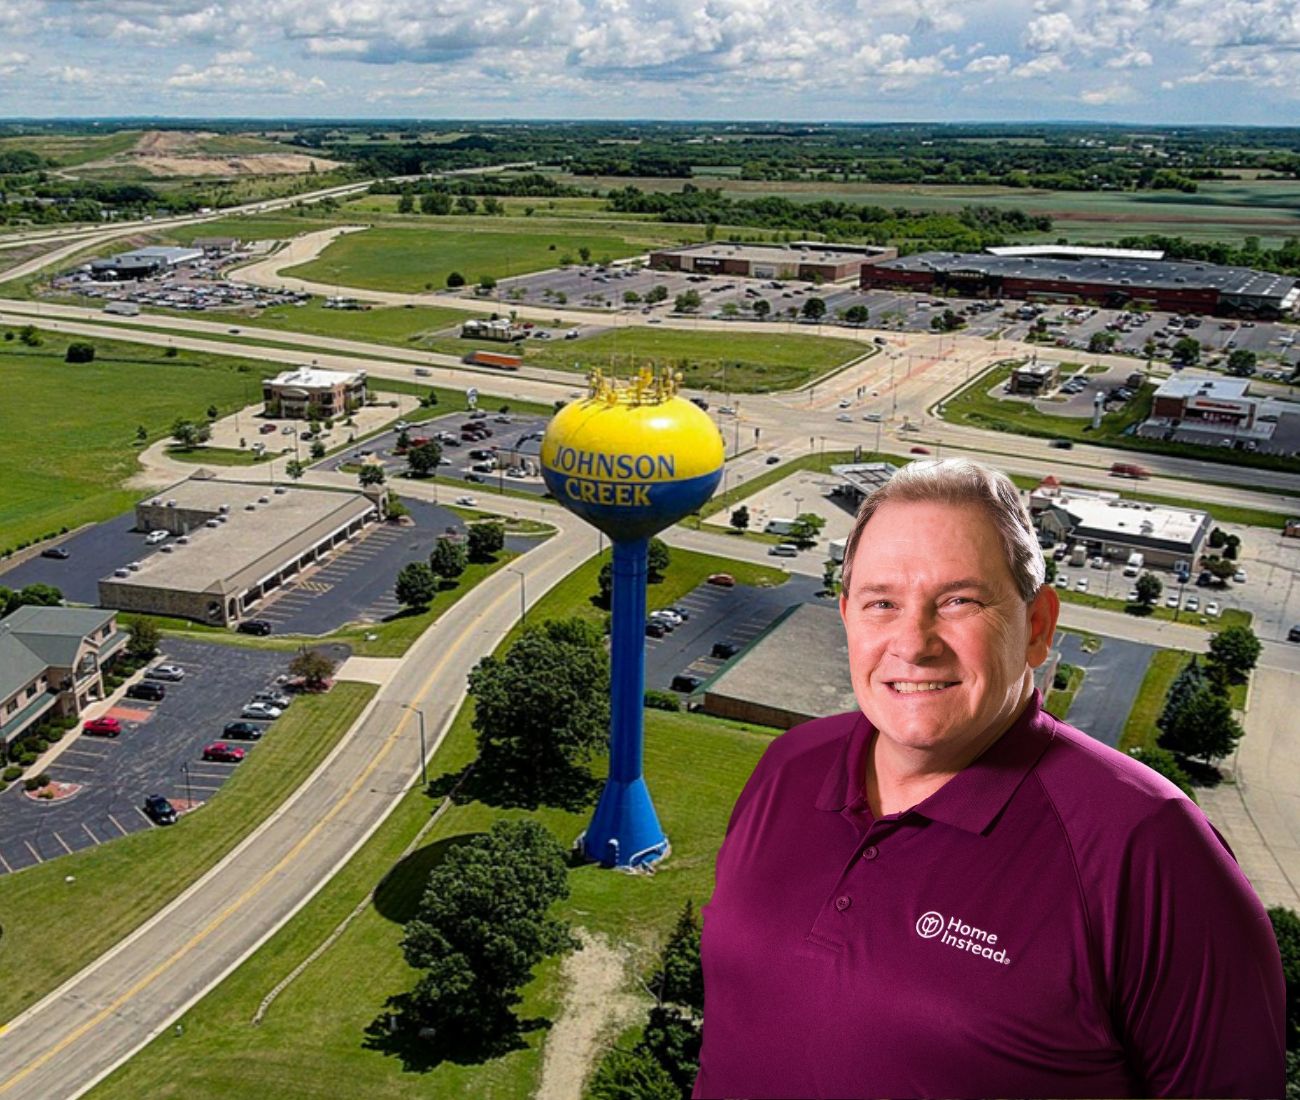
(717, 614)
(158, 752)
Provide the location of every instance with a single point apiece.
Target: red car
(920, 450)
(103, 727)
(225, 754)
(724, 580)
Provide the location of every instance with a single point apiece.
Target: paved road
(79, 1033)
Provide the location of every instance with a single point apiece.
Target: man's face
(940, 641)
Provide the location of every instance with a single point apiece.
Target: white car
(1081, 584)
(1239, 576)
(727, 410)
(1212, 609)
(1062, 580)
(845, 403)
(401, 425)
(468, 502)
(845, 418)
(264, 711)
(669, 615)
(1193, 603)
(1098, 562)
(153, 538)
(1171, 600)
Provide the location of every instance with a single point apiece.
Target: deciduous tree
(422, 459)
(740, 519)
(1201, 726)
(1148, 589)
(144, 638)
(1236, 649)
(416, 585)
(313, 667)
(448, 558)
(486, 540)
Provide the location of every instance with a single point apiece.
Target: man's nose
(915, 636)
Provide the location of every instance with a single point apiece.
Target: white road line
(118, 824)
(63, 765)
(5, 864)
(92, 836)
(35, 854)
(64, 843)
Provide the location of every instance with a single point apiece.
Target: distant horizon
(1126, 62)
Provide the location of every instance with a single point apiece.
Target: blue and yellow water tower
(631, 460)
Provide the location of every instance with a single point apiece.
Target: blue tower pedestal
(625, 830)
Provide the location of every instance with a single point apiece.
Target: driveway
(1111, 683)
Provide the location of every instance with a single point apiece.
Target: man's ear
(1044, 609)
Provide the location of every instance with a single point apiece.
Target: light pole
(523, 598)
(424, 767)
(189, 795)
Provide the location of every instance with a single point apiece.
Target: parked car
(159, 810)
(1081, 585)
(266, 429)
(722, 580)
(468, 502)
(1061, 444)
(153, 538)
(655, 628)
(1293, 635)
(223, 753)
(1239, 576)
(58, 552)
(667, 616)
(686, 682)
(1193, 603)
(242, 731)
(724, 650)
(1212, 609)
(149, 690)
(680, 611)
(254, 626)
(920, 450)
(275, 698)
(165, 672)
(263, 711)
(102, 727)
(1171, 600)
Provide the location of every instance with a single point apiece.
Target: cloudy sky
(1189, 61)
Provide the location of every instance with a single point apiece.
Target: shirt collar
(970, 800)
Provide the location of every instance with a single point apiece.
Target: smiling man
(953, 894)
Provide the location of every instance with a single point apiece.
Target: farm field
(88, 451)
(696, 767)
(1220, 210)
(742, 362)
(422, 256)
(73, 149)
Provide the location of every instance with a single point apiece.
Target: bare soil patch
(172, 153)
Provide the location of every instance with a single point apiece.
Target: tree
(659, 560)
(423, 458)
(631, 1075)
(403, 441)
(1236, 649)
(406, 203)
(448, 558)
(188, 434)
(1187, 350)
(481, 927)
(213, 412)
(679, 978)
(814, 309)
(1218, 536)
(631, 297)
(371, 473)
(807, 526)
(79, 352)
(1242, 362)
(435, 202)
(455, 279)
(1202, 726)
(1049, 570)
(416, 585)
(1190, 679)
(487, 284)
(486, 540)
(312, 667)
(584, 254)
(762, 307)
(1221, 568)
(295, 469)
(740, 519)
(493, 206)
(605, 580)
(687, 301)
(1286, 929)
(1101, 342)
(145, 636)
(465, 204)
(317, 449)
(29, 337)
(543, 707)
(1148, 589)
(39, 595)
(857, 315)
(1163, 762)
(657, 293)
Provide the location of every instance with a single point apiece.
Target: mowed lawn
(421, 257)
(321, 1029)
(736, 362)
(400, 326)
(68, 431)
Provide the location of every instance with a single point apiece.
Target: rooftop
(1156, 274)
(263, 529)
(311, 378)
(1128, 519)
(1228, 389)
(757, 253)
(1076, 251)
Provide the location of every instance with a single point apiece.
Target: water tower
(630, 460)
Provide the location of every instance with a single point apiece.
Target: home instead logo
(956, 933)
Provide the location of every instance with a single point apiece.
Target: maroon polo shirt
(1057, 920)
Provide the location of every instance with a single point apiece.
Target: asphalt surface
(92, 553)
(1112, 678)
(159, 749)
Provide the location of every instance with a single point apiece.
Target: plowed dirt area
(181, 153)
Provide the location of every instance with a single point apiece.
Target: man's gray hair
(961, 481)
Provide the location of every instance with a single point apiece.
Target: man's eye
(960, 605)
(880, 605)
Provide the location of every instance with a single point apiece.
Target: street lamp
(424, 767)
(523, 599)
(189, 795)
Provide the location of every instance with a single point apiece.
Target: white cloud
(1113, 93)
(234, 57)
(237, 79)
(1045, 65)
(1133, 59)
(997, 64)
(1050, 33)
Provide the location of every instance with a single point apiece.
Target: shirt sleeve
(1199, 995)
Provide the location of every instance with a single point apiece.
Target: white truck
(1079, 554)
(1133, 566)
(779, 527)
(122, 309)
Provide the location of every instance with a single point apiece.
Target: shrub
(12, 772)
(26, 759)
(3, 785)
(40, 745)
(79, 353)
(43, 780)
(662, 700)
(53, 735)
(31, 784)
(46, 793)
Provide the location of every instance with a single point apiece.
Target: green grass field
(83, 448)
(421, 256)
(396, 325)
(118, 886)
(73, 149)
(725, 362)
(695, 766)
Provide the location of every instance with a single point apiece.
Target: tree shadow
(572, 789)
(397, 897)
(1200, 773)
(397, 1032)
(1139, 610)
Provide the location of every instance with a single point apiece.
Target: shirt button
(843, 902)
(870, 852)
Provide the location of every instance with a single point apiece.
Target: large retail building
(813, 261)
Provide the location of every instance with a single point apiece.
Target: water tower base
(625, 831)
